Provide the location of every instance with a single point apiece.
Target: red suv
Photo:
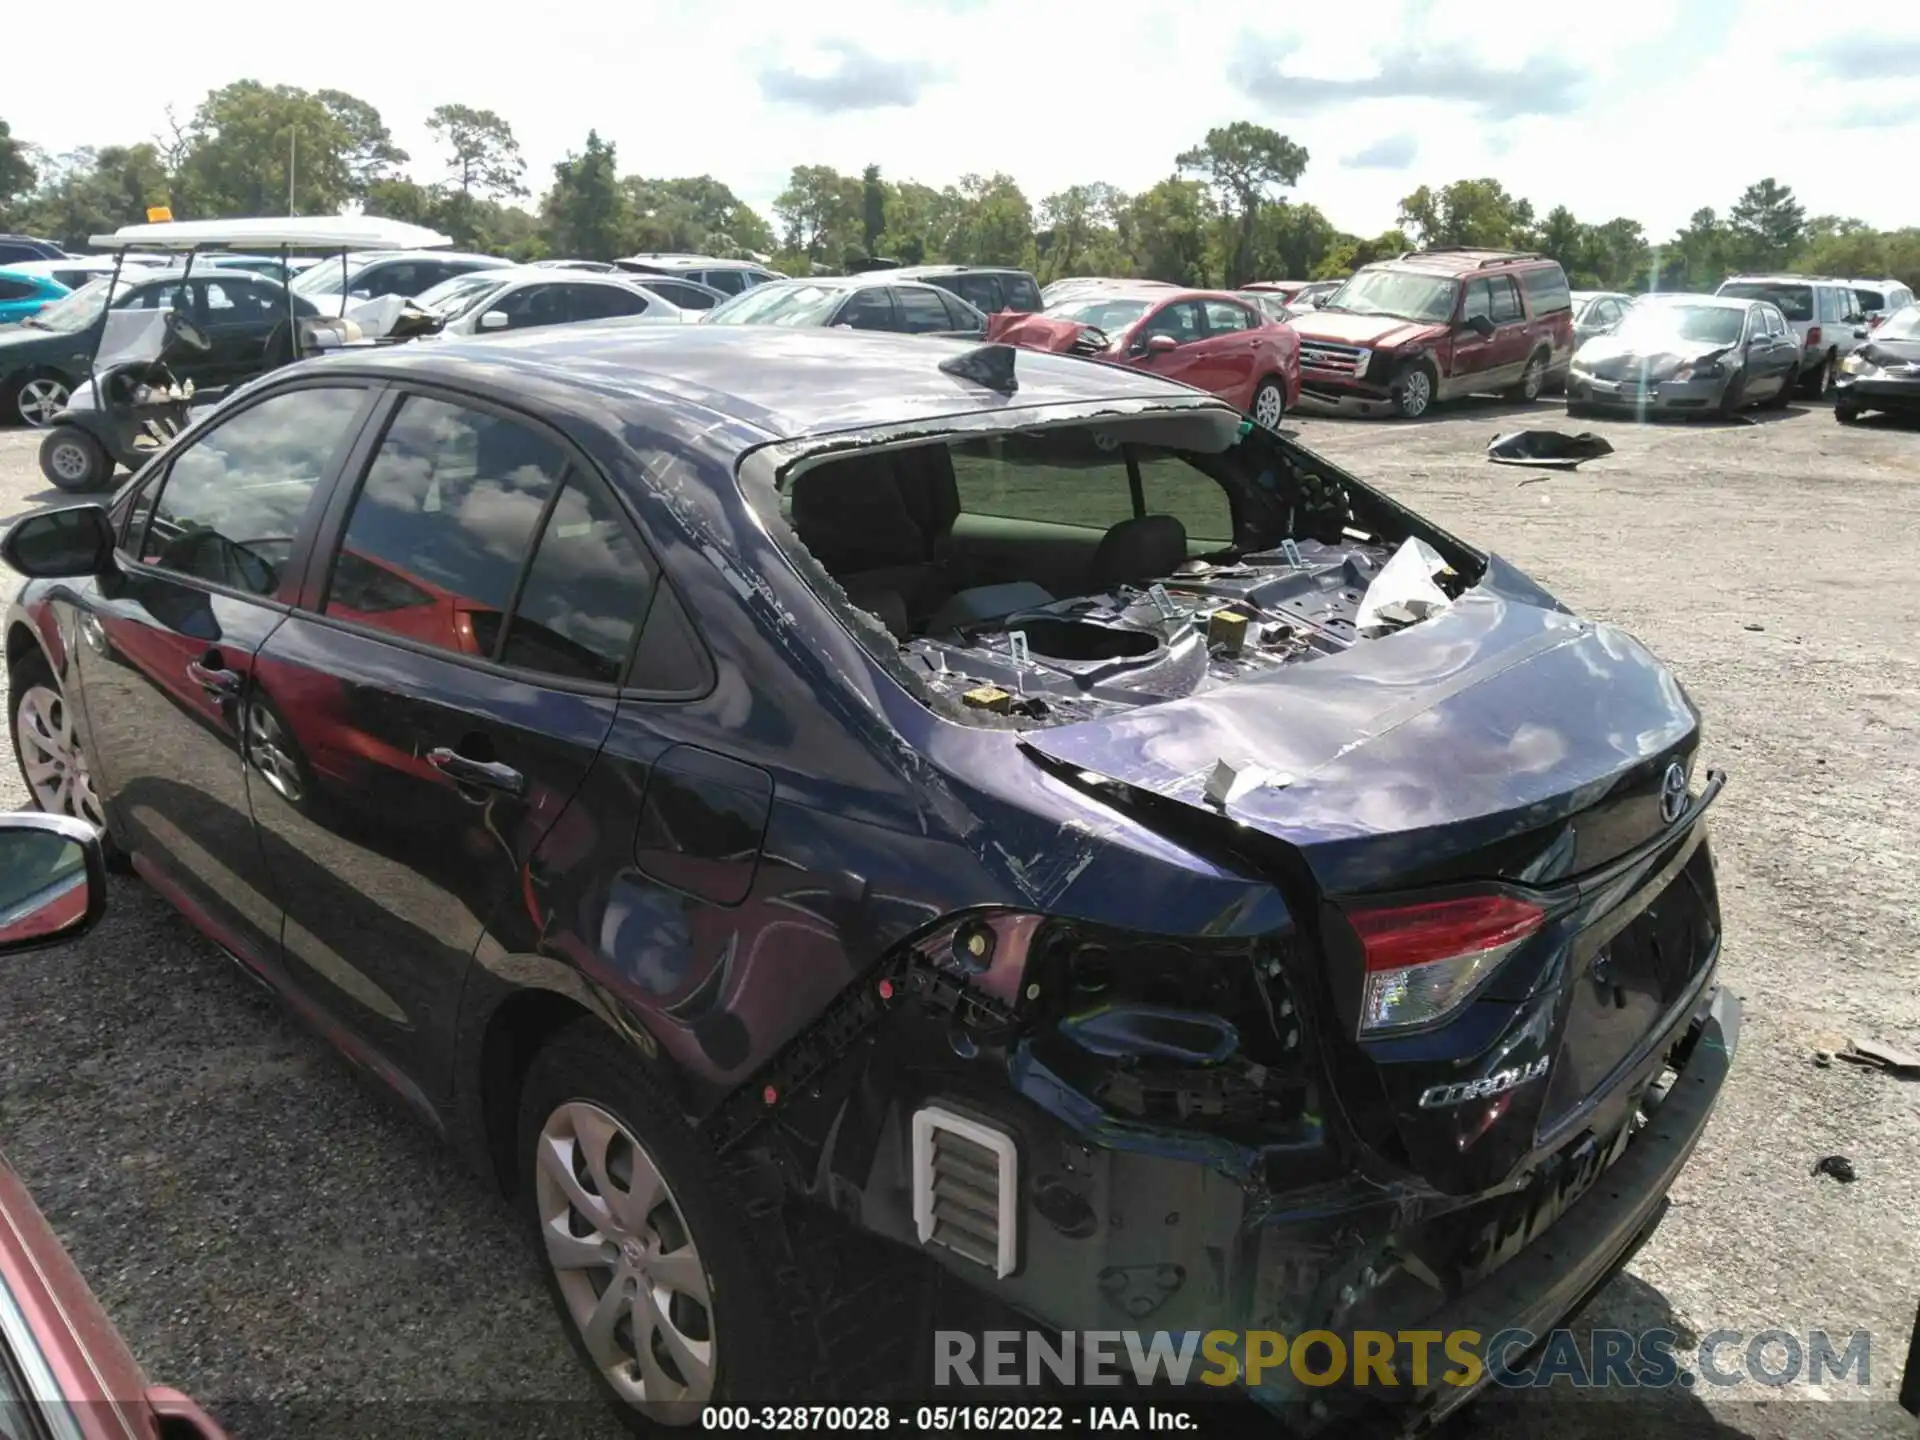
(1435, 325)
(1204, 338)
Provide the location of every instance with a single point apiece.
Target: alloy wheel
(50, 754)
(1269, 406)
(38, 401)
(625, 1261)
(1533, 378)
(1416, 393)
(272, 753)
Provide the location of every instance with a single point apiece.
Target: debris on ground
(1878, 1055)
(1546, 448)
(1838, 1166)
(1750, 625)
(1823, 1058)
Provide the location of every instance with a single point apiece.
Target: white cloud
(1668, 106)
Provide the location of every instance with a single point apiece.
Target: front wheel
(47, 744)
(73, 460)
(1270, 402)
(668, 1281)
(1846, 412)
(1733, 397)
(1412, 391)
(1818, 381)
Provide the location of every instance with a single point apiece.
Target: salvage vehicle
(1824, 314)
(772, 795)
(65, 1373)
(1688, 354)
(230, 323)
(874, 301)
(1211, 339)
(23, 293)
(1883, 373)
(1435, 325)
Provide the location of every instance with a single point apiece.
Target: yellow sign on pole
(156, 214)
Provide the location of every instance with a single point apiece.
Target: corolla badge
(1673, 793)
(1441, 1097)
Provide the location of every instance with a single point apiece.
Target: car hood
(1603, 348)
(1891, 352)
(18, 337)
(1382, 332)
(1497, 718)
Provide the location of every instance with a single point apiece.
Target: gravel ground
(276, 1237)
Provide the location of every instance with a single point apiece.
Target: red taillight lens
(1813, 337)
(1423, 961)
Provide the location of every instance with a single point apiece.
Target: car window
(1224, 318)
(920, 310)
(687, 297)
(156, 297)
(1020, 292)
(727, 282)
(979, 291)
(534, 305)
(603, 302)
(17, 289)
(585, 594)
(868, 309)
(1033, 478)
(1547, 290)
(232, 501)
(443, 522)
(236, 303)
(1479, 300)
(1182, 320)
(1505, 300)
(960, 315)
(1171, 486)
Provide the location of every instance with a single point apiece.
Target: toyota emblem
(1673, 793)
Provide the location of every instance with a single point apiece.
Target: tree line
(1222, 216)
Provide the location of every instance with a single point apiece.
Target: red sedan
(1208, 339)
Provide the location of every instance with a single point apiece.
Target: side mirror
(1860, 332)
(1480, 325)
(70, 543)
(494, 320)
(53, 880)
(1159, 345)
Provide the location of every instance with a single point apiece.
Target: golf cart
(133, 402)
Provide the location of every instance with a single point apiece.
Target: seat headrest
(1145, 548)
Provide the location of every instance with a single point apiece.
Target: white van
(1823, 312)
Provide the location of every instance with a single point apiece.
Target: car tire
(1780, 398)
(587, 1108)
(1818, 381)
(34, 399)
(1533, 379)
(1412, 390)
(1846, 412)
(1269, 405)
(48, 753)
(74, 461)
(1733, 397)
(1579, 410)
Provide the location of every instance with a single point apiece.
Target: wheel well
(21, 643)
(518, 1029)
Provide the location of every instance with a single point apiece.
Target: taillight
(1813, 337)
(1424, 961)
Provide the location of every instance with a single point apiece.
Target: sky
(1644, 108)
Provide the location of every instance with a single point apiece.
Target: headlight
(1707, 370)
(1579, 367)
(1857, 364)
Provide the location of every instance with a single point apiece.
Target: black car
(1883, 373)
(878, 300)
(243, 316)
(988, 288)
(771, 796)
(28, 247)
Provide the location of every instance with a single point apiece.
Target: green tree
(1697, 258)
(919, 219)
(253, 149)
(482, 156)
(92, 192)
(1767, 224)
(820, 212)
(1349, 252)
(17, 172)
(873, 208)
(585, 212)
(1079, 231)
(1244, 162)
(1293, 240)
(368, 153)
(993, 223)
(1164, 229)
(1467, 212)
(1616, 254)
(695, 213)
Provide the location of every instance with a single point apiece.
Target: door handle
(214, 678)
(490, 774)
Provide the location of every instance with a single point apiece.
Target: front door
(238, 316)
(167, 652)
(429, 710)
(1184, 322)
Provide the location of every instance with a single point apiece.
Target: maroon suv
(1435, 325)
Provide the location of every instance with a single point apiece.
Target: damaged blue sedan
(791, 805)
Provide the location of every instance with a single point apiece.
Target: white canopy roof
(310, 232)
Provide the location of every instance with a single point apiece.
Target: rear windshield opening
(1795, 301)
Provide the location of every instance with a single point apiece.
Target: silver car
(1687, 354)
(1595, 312)
(1825, 314)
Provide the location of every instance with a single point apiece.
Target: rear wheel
(669, 1281)
(1533, 379)
(37, 399)
(73, 460)
(1412, 390)
(1818, 381)
(1270, 402)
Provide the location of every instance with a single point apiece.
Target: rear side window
(1505, 300)
(979, 291)
(1795, 301)
(687, 297)
(1021, 292)
(867, 310)
(1868, 299)
(1547, 291)
(232, 501)
(17, 289)
(585, 594)
(443, 524)
(1224, 318)
(605, 302)
(727, 282)
(921, 311)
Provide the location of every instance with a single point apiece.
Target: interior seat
(1145, 548)
(879, 526)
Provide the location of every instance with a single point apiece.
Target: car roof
(1782, 280)
(1462, 260)
(910, 271)
(369, 257)
(1719, 302)
(693, 262)
(763, 378)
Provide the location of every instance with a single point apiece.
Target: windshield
(78, 310)
(1795, 301)
(459, 296)
(326, 276)
(1703, 324)
(1402, 294)
(1103, 312)
(796, 302)
(1901, 325)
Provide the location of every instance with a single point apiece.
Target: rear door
(211, 553)
(1513, 337)
(425, 741)
(1230, 351)
(922, 311)
(871, 308)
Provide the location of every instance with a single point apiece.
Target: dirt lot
(275, 1238)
